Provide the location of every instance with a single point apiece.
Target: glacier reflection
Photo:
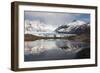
(53, 49)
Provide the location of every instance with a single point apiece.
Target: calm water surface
(55, 49)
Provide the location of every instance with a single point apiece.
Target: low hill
(30, 37)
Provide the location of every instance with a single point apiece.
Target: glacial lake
(55, 49)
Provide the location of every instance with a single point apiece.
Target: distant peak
(77, 22)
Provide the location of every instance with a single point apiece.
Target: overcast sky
(55, 18)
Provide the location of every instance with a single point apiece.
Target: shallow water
(55, 49)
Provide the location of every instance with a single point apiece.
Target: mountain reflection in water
(55, 49)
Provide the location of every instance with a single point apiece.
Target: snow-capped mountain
(76, 26)
(37, 26)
